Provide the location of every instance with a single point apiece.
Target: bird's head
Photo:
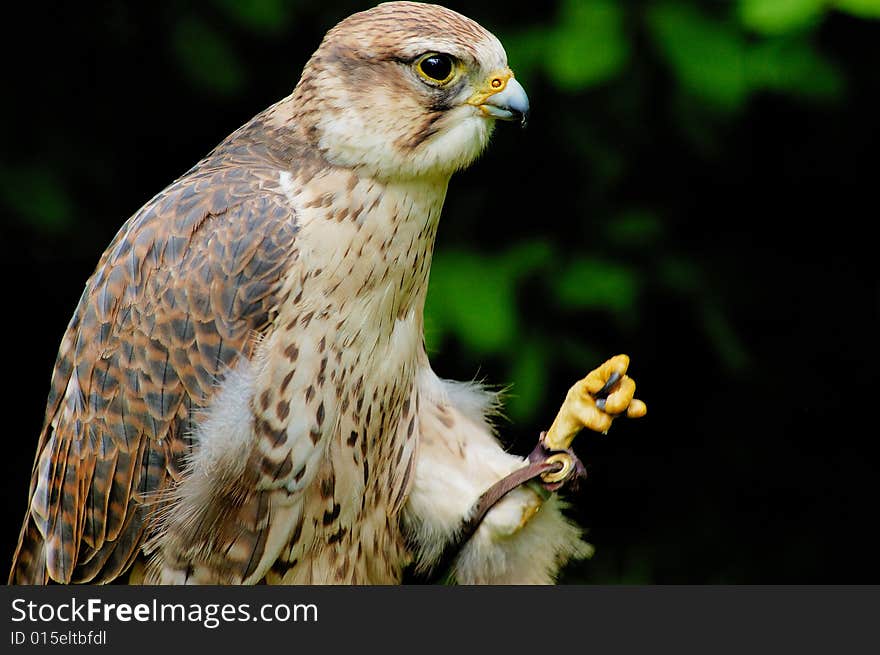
(407, 90)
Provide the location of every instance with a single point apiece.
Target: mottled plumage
(243, 393)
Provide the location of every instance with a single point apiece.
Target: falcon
(243, 393)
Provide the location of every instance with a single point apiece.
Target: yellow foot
(606, 393)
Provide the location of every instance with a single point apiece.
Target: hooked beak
(504, 99)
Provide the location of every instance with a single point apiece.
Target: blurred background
(696, 188)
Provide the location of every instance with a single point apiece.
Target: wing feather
(173, 303)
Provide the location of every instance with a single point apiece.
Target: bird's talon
(593, 402)
(607, 389)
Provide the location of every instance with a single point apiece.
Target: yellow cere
(496, 83)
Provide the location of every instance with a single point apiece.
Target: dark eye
(436, 67)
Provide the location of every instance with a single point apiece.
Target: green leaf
(472, 295)
(473, 298)
(588, 46)
(597, 284)
(585, 46)
(634, 229)
(794, 67)
(528, 376)
(258, 15)
(207, 58)
(38, 197)
(774, 17)
(523, 259)
(860, 8)
(707, 55)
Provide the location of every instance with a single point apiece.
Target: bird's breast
(335, 392)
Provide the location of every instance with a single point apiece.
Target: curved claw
(593, 402)
(605, 390)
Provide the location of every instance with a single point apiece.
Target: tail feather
(29, 561)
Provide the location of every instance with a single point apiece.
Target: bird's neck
(365, 240)
(367, 243)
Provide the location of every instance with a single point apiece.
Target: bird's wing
(177, 297)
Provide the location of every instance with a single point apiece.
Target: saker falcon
(243, 394)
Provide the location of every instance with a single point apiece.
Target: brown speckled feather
(176, 298)
(237, 396)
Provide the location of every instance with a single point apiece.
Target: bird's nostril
(496, 82)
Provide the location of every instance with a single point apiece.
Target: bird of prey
(243, 394)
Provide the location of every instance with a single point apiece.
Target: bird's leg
(568, 472)
(606, 393)
(515, 531)
(594, 402)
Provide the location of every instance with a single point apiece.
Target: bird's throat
(370, 246)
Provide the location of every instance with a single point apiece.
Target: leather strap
(537, 467)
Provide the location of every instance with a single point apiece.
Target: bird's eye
(436, 68)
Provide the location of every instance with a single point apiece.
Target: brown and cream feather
(242, 391)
